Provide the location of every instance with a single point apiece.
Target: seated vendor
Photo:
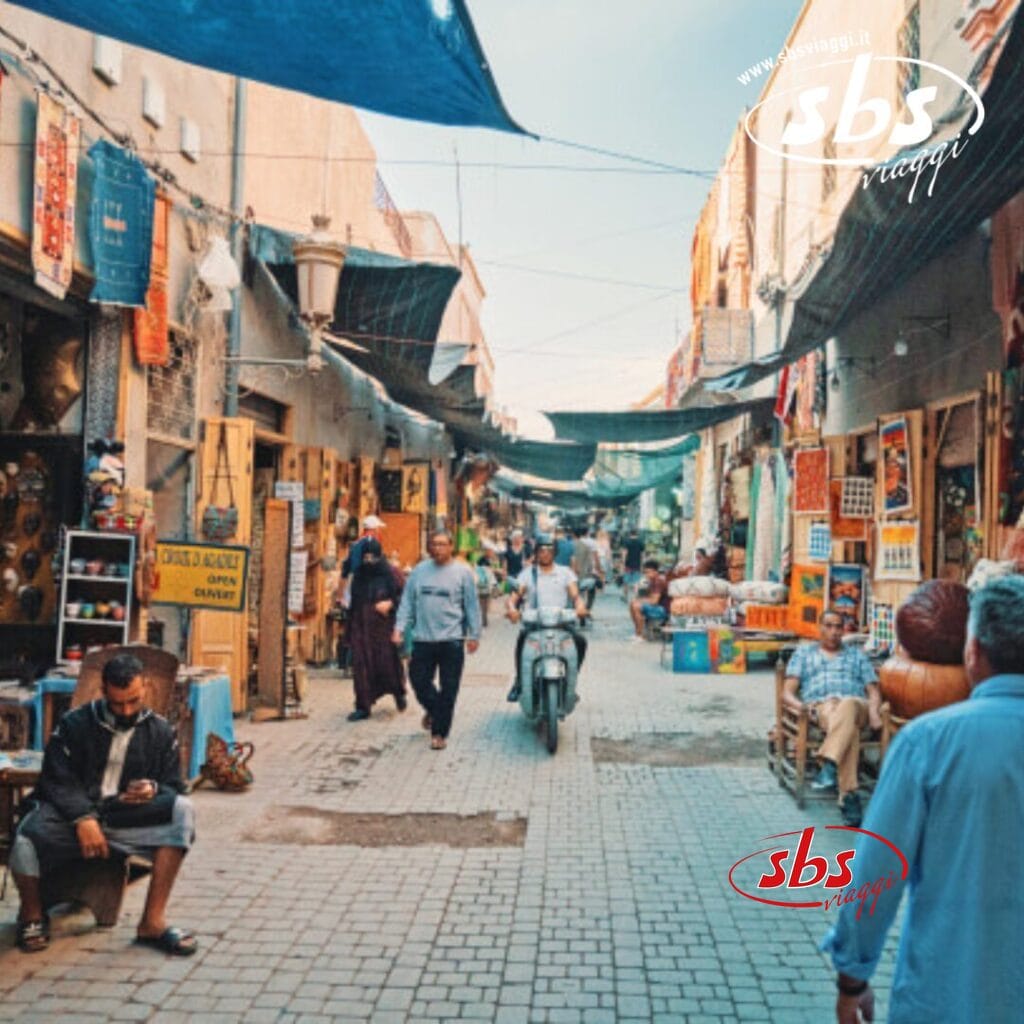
(110, 786)
(840, 689)
(652, 606)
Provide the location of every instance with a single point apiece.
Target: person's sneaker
(513, 694)
(358, 715)
(636, 639)
(825, 781)
(850, 809)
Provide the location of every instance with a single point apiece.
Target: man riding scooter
(555, 587)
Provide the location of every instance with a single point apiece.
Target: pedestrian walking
(376, 666)
(951, 798)
(485, 584)
(440, 607)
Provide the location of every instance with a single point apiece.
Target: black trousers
(446, 658)
(579, 640)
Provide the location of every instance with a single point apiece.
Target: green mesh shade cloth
(648, 424)
(393, 308)
(882, 239)
(625, 474)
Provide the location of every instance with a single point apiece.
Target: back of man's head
(995, 630)
(652, 564)
(121, 670)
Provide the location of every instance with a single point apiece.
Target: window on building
(908, 44)
(264, 412)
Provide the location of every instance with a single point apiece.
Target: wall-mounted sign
(201, 575)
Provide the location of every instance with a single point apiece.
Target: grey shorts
(45, 840)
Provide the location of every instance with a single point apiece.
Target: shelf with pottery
(97, 578)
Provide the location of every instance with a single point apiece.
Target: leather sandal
(33, 936)
(176, 941)
(438, 743)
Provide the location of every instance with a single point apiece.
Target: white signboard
(297, 582)
(294, 491)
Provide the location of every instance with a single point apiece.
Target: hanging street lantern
(318, 263)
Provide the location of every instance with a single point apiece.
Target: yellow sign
(201, 575)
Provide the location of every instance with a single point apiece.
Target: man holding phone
(110, 786)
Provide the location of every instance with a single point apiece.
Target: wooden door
(403, 532)
(220, 639)
(270, 670)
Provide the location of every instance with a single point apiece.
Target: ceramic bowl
(73, 652)
(102, 610)
(117, 612)
(111, 569)
(87, 610)
(94, 568)
(124, 570)
(77, 566)
(73, 609)
(94, 648)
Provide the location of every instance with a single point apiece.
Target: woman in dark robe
(376, 667)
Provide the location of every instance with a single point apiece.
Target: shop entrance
(42, 360)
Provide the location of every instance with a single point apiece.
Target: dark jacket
(76, 758)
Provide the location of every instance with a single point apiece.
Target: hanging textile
(806, 390)
(53, 200)
(783, 517)
(120, 225)
(764, 561)
(419, 59)
(709, 493)
(152, 336)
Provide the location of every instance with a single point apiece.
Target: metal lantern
(318, 263)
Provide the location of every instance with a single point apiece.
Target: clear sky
(655, 78)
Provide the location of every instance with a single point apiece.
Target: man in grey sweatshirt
(440, 604)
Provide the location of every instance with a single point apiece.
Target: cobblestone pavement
(616, 908)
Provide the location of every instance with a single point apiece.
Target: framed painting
(807, 592)
(810, 481)
(894, 457)
(846, 594)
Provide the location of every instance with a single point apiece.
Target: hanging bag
(220, 522)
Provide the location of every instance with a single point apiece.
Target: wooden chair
(100, 885)
(891, 724)
(796, 743)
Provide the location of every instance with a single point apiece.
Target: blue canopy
(419, 59)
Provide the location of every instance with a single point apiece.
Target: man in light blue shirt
(951, 797)
(440, 605)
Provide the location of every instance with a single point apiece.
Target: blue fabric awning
(419, 59)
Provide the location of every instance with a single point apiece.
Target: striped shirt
(843, 674)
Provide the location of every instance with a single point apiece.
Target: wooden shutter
(220, 639)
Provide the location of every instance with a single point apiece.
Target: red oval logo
(795, 868)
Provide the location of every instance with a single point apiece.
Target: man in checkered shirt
(839, 688)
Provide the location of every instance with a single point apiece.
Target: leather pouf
(913, 687)
(931, 624)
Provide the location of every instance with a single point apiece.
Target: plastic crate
(767, 616)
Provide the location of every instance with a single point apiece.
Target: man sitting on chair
(653, 605)
(110, 785)
(840, 690)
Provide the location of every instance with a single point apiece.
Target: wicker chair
(796, 742)
(100, 884)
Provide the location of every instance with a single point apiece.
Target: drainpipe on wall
(236, 236)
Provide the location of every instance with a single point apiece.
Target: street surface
(614, 906)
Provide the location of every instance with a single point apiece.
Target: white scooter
(548, 667)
